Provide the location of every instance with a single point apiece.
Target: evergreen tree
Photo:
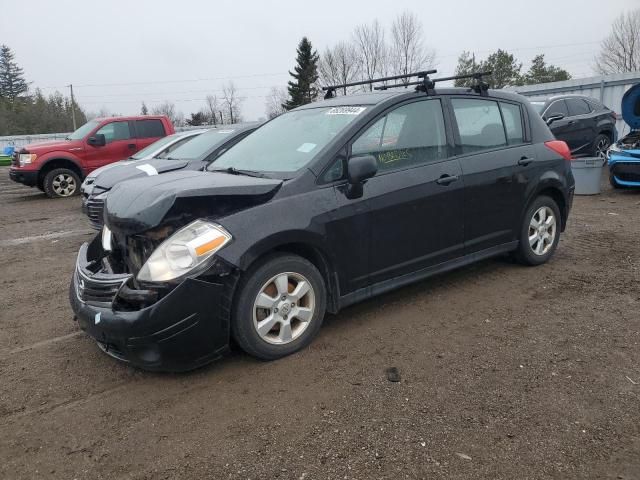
(540, 72)
(302, 89)
(12, 82)
(466, 65)
(504, 67)
(144, 110)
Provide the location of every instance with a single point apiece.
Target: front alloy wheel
(279, 306)
(61, 183)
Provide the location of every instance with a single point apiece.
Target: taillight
(560, 147)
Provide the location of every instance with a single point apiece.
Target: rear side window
(149, 128)
(512, 123)
(115, 131)
(557, 108)
(479, 124)
(577, 106)
(412, 134)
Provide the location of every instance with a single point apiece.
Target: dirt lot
(507, 372)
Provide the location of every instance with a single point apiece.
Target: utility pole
(73, 108)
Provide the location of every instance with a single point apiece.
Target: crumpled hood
(134, 206)
(129, 169)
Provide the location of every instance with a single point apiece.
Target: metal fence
(608, 89)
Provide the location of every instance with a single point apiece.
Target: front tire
(279, 308)
(540, 232)
(61, 183)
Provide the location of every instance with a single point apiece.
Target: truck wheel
(540, 232)
(61, 182)
(279, 308)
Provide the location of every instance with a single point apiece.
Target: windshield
(288, 142)
(200, 146)
(145, 152)
(83, 131)
(538, 106)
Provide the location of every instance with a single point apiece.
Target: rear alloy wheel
(540, 232)
(280, 307)
(61, 182)
(600, 146)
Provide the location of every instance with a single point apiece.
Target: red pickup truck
(57, 168)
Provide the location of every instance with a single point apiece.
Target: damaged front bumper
(186, 328)
(624, 168)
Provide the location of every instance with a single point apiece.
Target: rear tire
(61, 183)
(601, 144)
(279, 308)
(540, 232)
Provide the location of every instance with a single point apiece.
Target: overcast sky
(119, 53)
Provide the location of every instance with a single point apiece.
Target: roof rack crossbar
(427, 84)
(332, 88)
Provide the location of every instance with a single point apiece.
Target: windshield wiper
(235, 171)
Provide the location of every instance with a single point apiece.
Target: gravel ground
(506, 372)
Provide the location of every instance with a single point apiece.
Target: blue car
(624, 155)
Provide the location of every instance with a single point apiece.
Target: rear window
(479, 124)
(149, 128)
(512, 123)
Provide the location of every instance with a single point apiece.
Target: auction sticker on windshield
(306, 147)
(346, 110)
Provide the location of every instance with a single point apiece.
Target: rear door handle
(132, 146)
(446, 179)
(524, 161)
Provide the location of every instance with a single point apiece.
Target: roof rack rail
(331, 90)
(427, 84)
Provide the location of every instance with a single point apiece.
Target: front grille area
(95, 209)
(627, 172)
(100, 290)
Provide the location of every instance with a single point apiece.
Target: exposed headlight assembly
(184, 251)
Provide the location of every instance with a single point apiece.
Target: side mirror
(97, 140)
(360, 169)
(553, 118)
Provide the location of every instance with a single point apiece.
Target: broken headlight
(184, 251)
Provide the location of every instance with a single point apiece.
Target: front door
(120, 144)
(497, 165)
(414, 204)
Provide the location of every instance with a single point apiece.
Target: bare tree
(339, 65)
(169, 109)
(275, 102)
(232, 103)
(371, 50)
(620, 51)
(408, 51)
(213, 107)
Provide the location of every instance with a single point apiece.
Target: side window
(512, 123)
(556, 108)
(115, 131)
(577, 106)
(149, 128)
(335, 171)
(479, 124)
(413, 134)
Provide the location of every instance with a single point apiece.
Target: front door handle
(132, 146)
(524, 161)
(446, 179)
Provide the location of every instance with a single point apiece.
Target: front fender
(59, 155)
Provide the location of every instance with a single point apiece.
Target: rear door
(414, 204)
(497, 164)
(584, 124)
(120, 144)
(148, 131)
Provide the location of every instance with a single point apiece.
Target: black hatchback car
(588, 127)
(323, 206)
